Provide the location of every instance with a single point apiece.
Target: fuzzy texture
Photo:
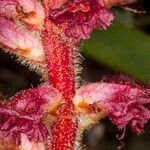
(64, 134)
(64, 130)
(60, 69)
(60, 50)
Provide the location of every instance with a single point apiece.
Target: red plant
(45, 34)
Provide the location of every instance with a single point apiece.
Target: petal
(13, 124)
(24, 114)
(55, 4)
(8, 8)
(126, 103)
(99, 20)
(30, 11)
(35, 12)
(26, 144)
(16, 39)
(29, 102)
(95, 92)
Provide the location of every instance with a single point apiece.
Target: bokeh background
(123, 48)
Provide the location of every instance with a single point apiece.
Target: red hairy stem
(63, 130)
(63, 134)
(59, 53)
(60, 64)
(60, 57)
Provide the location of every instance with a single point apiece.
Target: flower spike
(46, 34)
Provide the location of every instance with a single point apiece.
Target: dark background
(14, 78)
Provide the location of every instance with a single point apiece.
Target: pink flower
(24, 114)
(29, 11)
(20, 40)
(79, 18)
(21, 22)
(127, 102)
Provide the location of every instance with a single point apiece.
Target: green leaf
(122, 48)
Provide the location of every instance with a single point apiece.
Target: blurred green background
(123, 48)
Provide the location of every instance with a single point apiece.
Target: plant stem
(59, 53)
(60, 60)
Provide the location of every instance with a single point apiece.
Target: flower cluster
(45, 34)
